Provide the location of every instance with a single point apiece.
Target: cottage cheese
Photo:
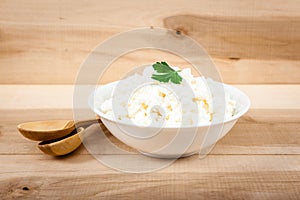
(145, 102)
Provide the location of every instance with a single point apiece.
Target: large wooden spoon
(50, 129)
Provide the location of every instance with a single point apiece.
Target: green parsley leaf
(176, 78)
(165, 73)
(162, 67)
(162, 77)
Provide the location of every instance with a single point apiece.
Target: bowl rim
(205, 124)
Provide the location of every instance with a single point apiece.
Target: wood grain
(258, 179)
(45, 96)
(242, 37)
(216, 185)
(251, 41)
(116, 13)
(53, 55)
(238, 167)
(260, 131)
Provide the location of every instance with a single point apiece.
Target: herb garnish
(166, 73)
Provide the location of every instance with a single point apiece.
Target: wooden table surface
(43, 43)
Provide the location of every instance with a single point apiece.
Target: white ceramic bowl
(189, 141)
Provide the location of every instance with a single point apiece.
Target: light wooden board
(46, 96)
(119, 13)
(215, 185)
(259, 132)
(244, 38)
(241, 177)
(54, 55)
(258, 159)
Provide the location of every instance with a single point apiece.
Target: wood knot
(180, 31)
(25, 188)
(234, 58)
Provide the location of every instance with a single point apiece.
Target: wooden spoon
(62, 146)
(49, 130)
(59, 137)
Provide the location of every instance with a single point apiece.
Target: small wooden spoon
(49, 130)
(62, 146)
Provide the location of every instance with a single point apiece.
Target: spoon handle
(86, 123)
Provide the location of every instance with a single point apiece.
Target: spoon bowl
(46, 130)
(62, 146)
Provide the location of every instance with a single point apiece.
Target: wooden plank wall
(251, 42)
